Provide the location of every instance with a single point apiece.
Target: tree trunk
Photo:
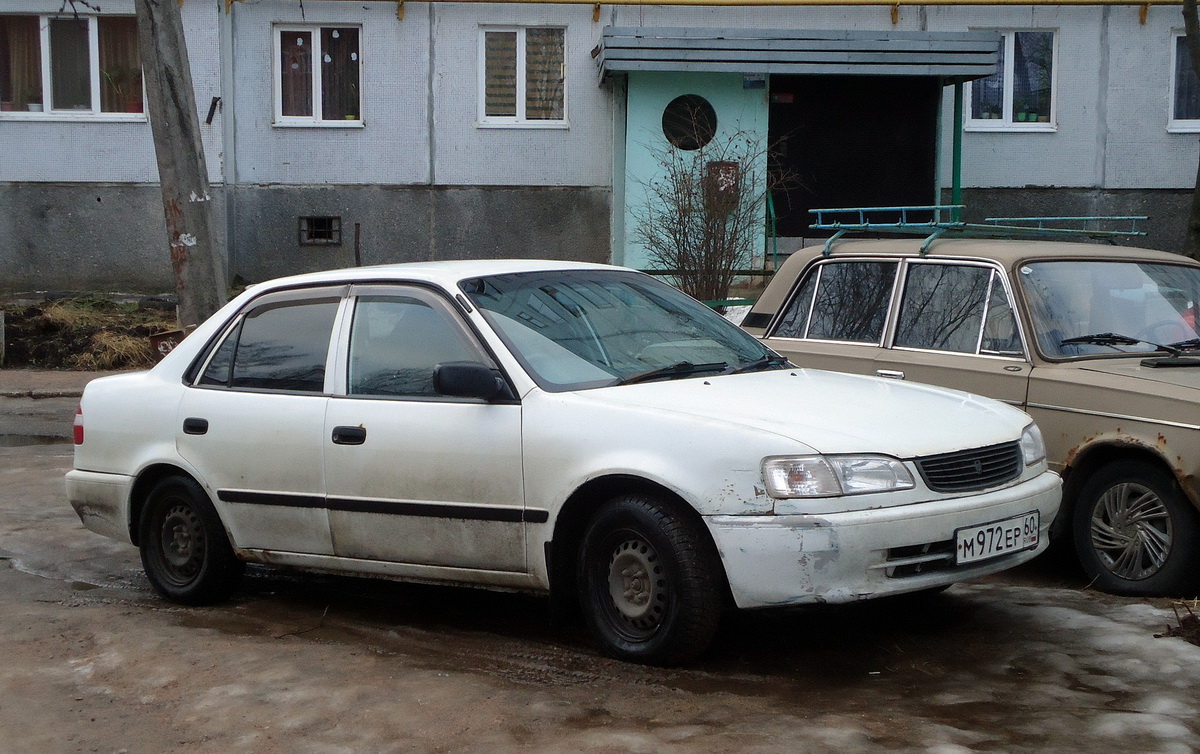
(1192, 26)
(199, 268)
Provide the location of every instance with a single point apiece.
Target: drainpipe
(229, 176)
(956, 168)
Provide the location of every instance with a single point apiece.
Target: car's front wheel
(1135, 533)
(649, 582)
(187, 557)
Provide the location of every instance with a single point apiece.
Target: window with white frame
(1185, 88)
(318, 75)
(70, 65)
(524, 76)
(1021, 93)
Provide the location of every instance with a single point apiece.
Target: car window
(945, 307)
(845, 301)
(1151, 302)
(1000, 334)
(397, 341)
(281, 346)
(576, 329)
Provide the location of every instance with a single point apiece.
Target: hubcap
(637, 584)
(1131, 531)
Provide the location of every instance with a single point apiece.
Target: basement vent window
(320, 231)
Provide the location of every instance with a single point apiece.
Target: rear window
(845, 301)
(280, 346)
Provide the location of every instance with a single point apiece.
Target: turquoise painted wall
(738, 110)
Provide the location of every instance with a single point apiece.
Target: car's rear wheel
(185, 551)
(648, 582)
(1135, 533)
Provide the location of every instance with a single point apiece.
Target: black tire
(185, 551)
(649, 582)
(1135, 533)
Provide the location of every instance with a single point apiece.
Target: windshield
(1147, 303)
(574, 329)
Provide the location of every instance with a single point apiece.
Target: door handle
(195, 426)
(890, 374)
(349, 435)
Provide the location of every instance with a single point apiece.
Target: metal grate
(320, 231)
(975, 469)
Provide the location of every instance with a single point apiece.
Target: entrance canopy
(953, 57)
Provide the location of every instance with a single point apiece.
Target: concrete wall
(1166, 208)
(96, 236)
(110, 237)
(405, 224)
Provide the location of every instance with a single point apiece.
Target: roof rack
(947, 218)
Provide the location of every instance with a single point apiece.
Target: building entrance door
(851, 141)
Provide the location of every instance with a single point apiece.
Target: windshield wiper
(766, 362)
(1187, 345)
(680, 369)
(1113, 340)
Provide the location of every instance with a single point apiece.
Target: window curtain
(500, 62)
(20, 62)
(120, 65)
(544, 74)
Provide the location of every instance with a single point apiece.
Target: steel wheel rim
(182, 544)
(1131, 531)
(637, 586)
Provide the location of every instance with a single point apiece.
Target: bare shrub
(703, 217)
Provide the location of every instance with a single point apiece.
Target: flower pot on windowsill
(132, 106)
(7, 107)
(34, 107)
(1043, 119)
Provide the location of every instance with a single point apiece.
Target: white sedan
(555, 427)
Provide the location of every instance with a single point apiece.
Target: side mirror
(467, 379)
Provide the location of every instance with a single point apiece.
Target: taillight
(79, 425)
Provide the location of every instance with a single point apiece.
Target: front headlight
(1033, 447)
(831, 476)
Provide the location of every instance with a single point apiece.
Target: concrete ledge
(45, 383)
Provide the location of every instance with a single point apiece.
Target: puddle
(16, 441)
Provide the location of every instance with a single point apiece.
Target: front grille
(975, 469)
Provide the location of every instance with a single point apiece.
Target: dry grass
(113, 350)
(83, 334)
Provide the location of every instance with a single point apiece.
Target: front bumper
(101, 501)
(842, 557)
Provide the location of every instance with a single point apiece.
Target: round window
(689, 122)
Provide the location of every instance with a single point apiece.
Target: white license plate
(975, 543)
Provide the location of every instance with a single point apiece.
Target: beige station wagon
(1098, 343)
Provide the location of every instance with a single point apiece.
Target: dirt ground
(94, 662)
